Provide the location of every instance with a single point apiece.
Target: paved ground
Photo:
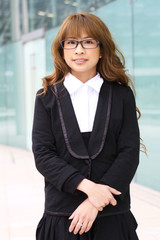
(21, 199)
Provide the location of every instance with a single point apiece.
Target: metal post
(31, 11)
(25, 17)
(54, 11)
(15, 20)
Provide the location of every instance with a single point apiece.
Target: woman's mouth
(80, 60)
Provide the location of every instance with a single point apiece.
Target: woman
(86, 136)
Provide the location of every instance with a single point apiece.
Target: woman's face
(82, 62)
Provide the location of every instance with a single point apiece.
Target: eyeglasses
(87, 43)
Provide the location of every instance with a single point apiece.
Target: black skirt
(115, 227)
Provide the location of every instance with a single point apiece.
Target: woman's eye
(88, 42)
(70, 42)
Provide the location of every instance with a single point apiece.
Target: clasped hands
(99, 196)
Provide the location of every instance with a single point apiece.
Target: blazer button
(86, 161)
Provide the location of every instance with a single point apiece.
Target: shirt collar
(73, 84)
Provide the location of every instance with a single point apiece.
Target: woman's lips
(80, 60)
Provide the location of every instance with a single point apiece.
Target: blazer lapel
(71, 131)
(101, 120)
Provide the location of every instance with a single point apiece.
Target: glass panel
(117, 16)
(49, 37)
(34, 71)
(12, 100)
(3, 90)
(147, 79)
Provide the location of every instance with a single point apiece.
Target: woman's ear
(100, 56)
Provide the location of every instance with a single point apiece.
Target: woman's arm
(99, 195)
(121, 172)
(124, 166)
(85, 214)
(55, 169)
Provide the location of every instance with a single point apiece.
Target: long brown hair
(112, 64)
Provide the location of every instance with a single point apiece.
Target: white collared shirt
(84, 97)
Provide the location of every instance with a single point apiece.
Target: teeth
(82, 60)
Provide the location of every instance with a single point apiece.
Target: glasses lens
(89, 43)
(69, 44)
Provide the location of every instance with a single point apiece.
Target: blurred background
(27, 29)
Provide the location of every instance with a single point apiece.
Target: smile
(80, 60)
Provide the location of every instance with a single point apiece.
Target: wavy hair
(112, 64)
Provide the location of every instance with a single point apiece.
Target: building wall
(135, 26)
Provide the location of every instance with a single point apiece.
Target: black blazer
(63, 159)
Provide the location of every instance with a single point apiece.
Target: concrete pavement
(22, 199)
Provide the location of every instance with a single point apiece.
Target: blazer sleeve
(125, 164)
(55, 169)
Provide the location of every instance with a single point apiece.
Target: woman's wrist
(85, 186)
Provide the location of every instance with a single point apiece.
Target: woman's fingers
(89, 225)
(73, 224)
(83, 227)
(100, 209)
(78, 226)
(72, 216)
(99, 204)
(113, 202)
(114, 191)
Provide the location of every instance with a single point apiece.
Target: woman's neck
(84, 77)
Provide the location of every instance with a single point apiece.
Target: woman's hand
(98, 194)
(83, 217)
(101, 196)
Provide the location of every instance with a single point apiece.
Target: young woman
(86, 136)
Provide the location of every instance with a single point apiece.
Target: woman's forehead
(81, 33)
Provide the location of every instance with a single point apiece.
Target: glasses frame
(77, 42)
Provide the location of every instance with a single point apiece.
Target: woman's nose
(79, 49)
